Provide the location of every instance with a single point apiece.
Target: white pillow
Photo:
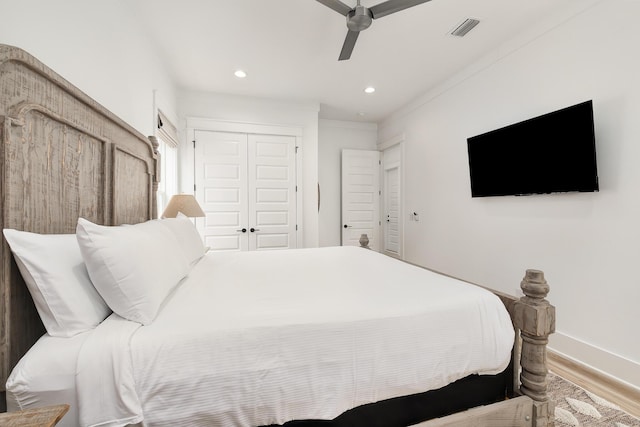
(55, 274)
(187, 235)
(134, 268)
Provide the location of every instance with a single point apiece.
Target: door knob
(254, 229)
(348, 226)
(244, 230)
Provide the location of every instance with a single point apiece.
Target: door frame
(205, 124)
(383, 147)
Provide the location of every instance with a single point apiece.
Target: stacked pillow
(189, 239)
(55, 274)
(77, 280)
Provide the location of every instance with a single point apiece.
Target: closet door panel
(272, 192)
(222, 189)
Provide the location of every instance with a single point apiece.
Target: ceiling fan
(359, 18)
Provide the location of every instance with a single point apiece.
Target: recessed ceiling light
(369, 89)
(240, 74)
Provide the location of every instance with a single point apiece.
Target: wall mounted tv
(552, 153)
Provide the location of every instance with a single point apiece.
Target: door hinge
(297, 149)
(296, 227)
(296, 188)
(380, 162)
(379, 192)
(194, 143)
(194, 188)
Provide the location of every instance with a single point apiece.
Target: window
(168, 148)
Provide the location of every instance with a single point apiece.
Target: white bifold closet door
(246, 184)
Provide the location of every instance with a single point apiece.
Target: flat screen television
(552, 153)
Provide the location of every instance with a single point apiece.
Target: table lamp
(184, 203)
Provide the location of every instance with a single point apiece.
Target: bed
(65, 157)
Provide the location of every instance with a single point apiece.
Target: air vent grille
(466, 26)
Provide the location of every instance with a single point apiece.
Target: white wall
(241, 109)
(587, 243)
(334, 136)
(98, 47)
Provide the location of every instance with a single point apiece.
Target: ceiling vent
(466, 26)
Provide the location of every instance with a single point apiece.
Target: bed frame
(65, 156)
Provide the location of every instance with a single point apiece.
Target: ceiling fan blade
(349, 43)
(392, 6)
(337, 5)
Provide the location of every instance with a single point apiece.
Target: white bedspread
(256, 338)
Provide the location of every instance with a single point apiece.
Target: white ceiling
(290, 48)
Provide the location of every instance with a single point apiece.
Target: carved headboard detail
(63, 156)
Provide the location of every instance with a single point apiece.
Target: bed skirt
(466, 393)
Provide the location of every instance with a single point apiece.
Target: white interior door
(391, 197)
(222, 189)
(392, 211)
(246, 185)
(360, 197)
(272, 192)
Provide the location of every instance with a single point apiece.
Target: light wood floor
(623, 395)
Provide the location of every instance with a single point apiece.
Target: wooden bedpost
(535, 317)
(156, 178)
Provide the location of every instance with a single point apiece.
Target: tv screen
(552, 153)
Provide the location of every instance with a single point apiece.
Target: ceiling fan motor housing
(359, 18)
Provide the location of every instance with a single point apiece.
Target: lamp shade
(184, 203)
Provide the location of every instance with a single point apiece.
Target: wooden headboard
(63, 156)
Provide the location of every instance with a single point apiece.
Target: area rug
(577, 407)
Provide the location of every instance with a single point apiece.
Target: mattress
(259, 338)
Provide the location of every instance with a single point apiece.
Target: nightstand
(47, 416)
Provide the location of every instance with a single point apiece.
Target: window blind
(167, 131)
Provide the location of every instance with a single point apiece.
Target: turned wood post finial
(154, 143)
(535, 317)
(534, 284)
(156, 177)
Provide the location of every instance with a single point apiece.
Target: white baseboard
(613, 365)
(608, 375)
